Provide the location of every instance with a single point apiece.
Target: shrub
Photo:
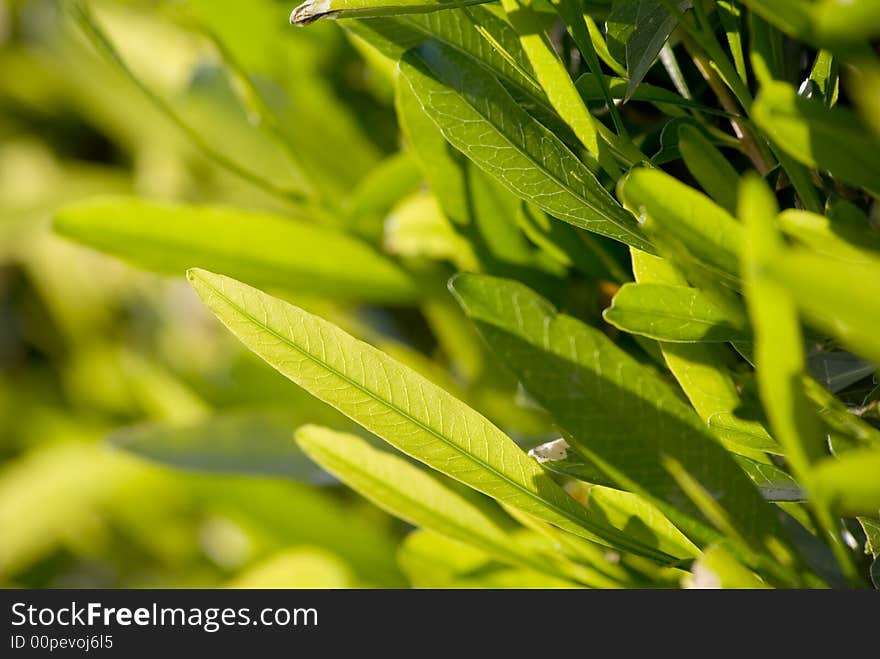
(659, 216)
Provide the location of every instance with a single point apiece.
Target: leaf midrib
(640, 241)
(569, 516)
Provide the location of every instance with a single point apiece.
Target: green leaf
(615, 411)
(745, 433)
(414, 495)
(699, 368)
(281, 253)
(677, 314)
(478, 117)
(718, 568)
(871, 527)
(730, 14)
(559, 457)
(637, 31)
(841, 234)
(849, 483)
(396, 403)
(773, 483)
(779, 359)
(589, 88)
(431, 560)
(846, 21)
(702, 227)
(551, 74)
(839, 297)
(706, 163)
(312, 10)
(488, 40)
(250, 443)
(832, 140)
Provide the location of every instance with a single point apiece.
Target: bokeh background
(92, 349)
(97, 357)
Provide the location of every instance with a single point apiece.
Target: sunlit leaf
(267, 250)
(395, 403)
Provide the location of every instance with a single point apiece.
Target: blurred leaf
(612, 407)
(849, 483)
(846, 20)
(431, 560)
(257, 444)
(417, 228)
(717, 568)
(385, 397)
(827, 139)
(282, 253)
(779, 360)
(301, 567)
(671, 313)
(843, 235)
(705, 229)
(414, 495)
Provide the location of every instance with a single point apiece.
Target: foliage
(587, 292)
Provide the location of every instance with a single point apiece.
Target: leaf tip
(309, 12)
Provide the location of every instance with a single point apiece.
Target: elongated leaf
(312, 10)
(267, 250)
(846, 21)
(871, 527)
(773, 483)
(779, 359)
(431, 560)
(730, 14)
(717, 568)
(699, 368)
(637, 31)
(677, 314)
(413, 494)
(712, 170)
(828, 139)
(614, 410)
(590, 90)
(705, 229)
(838, 369)
(478, 117)
(850, 483)
(551, 74)
(489, 41)
(256, 444)
(840, 297)
(841, 235)
(396, 404)
(745, 433)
